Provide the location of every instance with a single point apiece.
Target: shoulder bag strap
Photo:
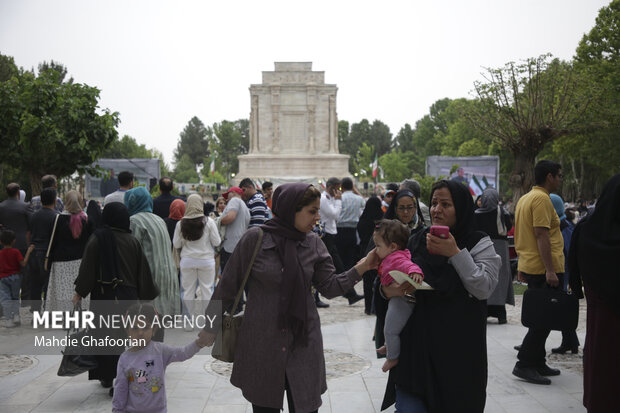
(247, 272)
(49, 246)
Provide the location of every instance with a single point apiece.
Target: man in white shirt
(125, 181)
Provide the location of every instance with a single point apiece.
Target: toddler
(391, 238)
(11, 263)
(139, 384)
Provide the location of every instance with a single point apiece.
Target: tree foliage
(193, 142)
(524, 106)
(127, 147)
(51, 126)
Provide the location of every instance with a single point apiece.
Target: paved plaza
(355, 381)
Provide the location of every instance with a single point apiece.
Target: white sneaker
(6, 323)
(16, 320)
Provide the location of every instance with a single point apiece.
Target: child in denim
(391, 238)
(11, 263)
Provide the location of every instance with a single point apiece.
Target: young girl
(11, 263)
(139, 384)
(391, 238)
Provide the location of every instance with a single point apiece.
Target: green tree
(404, 139)
(127, 148)
(51, 126)
(396, 165)
(229, 140)
(185, 170)
(362, 160)
(193, 142)
(523, 106)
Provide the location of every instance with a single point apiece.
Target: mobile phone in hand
(440, 231)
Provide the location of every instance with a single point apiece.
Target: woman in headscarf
(113, 272)
(72, 232)
(152, 233)
(593, 258)
(93, 211)
(177, 210)
(196, 236)
(443, 360)
(403, 208)
(570, 341)
(492, 220)
(365, 228)
(280, 344)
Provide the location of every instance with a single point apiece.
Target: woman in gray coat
(280, 346)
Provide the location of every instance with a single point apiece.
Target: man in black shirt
(161, 204)
(41, 224)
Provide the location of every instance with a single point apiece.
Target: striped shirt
(352, 208)
(259, 212)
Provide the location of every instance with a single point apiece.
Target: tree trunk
(522, 178)
(35, 184)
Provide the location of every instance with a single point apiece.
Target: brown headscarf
(177, 209)
(293, 311)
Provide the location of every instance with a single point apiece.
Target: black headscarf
(115, 216)
(594, 256)
(463, 230)
(292, 312)
(391, 211)
(372, 213)
(93, 211)
(437, 271)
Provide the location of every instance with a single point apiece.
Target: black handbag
(225, 345)
(549, 309)
(75, 359)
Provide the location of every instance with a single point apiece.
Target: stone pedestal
(293, 127)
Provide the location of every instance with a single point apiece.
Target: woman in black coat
(443, 360)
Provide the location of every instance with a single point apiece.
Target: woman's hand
(397, 290)
(369, 262)
(205, 339)
(76, 298)
(442, 246)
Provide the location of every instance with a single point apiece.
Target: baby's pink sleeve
(404, 264)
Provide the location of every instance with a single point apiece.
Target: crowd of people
(176, 253)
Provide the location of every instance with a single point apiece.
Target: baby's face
(382, 248)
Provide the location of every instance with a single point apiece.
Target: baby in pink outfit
(391, 238)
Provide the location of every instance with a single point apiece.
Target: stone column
(254, 146)
(333, 125)
(311, 105)
(275, 115)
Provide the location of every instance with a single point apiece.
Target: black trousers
(289, 399)
(533, 353)
(330, 242)
(346, 242)
(39, 279)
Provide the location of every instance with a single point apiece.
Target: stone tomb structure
(293, 127)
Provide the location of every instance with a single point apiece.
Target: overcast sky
(158, 63)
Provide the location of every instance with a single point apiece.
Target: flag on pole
(212, 167)
(375, 166)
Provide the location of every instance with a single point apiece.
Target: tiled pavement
(355, 381)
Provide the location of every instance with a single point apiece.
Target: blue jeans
(408, 403)
(9, 295)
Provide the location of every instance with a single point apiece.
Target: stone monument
(293, 127)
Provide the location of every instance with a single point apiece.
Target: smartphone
(440, 231)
